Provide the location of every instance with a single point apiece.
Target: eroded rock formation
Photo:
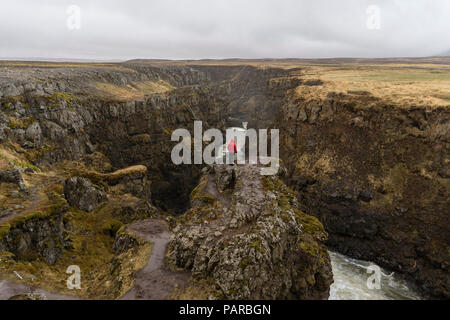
(36, 234)
(377, 177)
(251, 239)
(375, 174)
(80, 193)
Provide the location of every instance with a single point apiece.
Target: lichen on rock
(81, 194)
(36, 234)
(256, 244)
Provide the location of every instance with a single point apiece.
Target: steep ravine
(375, 175)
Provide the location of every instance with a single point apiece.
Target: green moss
(13, 124)
(6, 255)
(201, 195)
(28, 217)
(167, 132)
(310, 224)
(199, 189)
(244, 263)
(7, 103)
(257, 245)
(231, 292)
(20, 123)
(27, 121)
(310, 247)
(206, 198)
(53, 209)
(286, 199)
(122, 231)
(24, 165)
(55, 99)
(244, 282)
(4, 229)
(112, 227)
(7, 106)
(268, 184)
(57, 242)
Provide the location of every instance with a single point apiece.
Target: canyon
(364, 171)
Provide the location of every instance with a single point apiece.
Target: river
(350, 282)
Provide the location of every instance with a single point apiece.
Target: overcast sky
(195, 29)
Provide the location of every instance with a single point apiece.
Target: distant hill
(445, 54)
(58, 59)
(439, 59)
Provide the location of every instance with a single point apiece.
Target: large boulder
(13, 175)
(251, 240)
(81, 194)
(34, 133)
(36, 235)
(132, 180)
(10, 90)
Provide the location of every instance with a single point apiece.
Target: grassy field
(403, 82)
(137, 91)
(399, 85)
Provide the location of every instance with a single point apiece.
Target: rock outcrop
(80, 193)
(251, 239)
(13, 175)
(377, 178)
(132, 180)
(36, 234)
(376, 175)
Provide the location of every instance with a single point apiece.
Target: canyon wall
(376, 175)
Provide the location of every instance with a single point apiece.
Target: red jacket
(232, 147)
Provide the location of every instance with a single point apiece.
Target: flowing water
(350, 275)
(350, 281)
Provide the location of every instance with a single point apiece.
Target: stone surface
(371, 173)
(80, 193)
(35, 235)
(262, 247)
(13, 175)
(375, 174)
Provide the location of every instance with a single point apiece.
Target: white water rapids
(350, 282)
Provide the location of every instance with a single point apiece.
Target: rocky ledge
(245, 233)
(36, 234)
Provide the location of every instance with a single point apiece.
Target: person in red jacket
(232, 151)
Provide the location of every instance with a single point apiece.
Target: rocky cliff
(246, 233)
(37, 234)
(374, 173)
(377, 176)
(59, 119)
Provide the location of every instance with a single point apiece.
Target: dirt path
(155, 281)
(35, 200)
(9, 288)
(32, 199)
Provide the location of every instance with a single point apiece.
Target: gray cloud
(194, 29)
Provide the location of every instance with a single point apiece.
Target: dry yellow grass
(398, 81)
(399, 85)
(137, 91)
(93, 252)
(108, 177)
(403, 82)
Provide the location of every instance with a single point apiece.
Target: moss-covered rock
(81, 194)
(36, 234)
(256, 230)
